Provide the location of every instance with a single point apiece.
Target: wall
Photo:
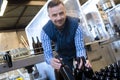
(11, 40)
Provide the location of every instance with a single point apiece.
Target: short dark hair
(53, 3)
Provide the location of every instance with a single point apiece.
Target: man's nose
(58, 17)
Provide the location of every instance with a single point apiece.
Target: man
(67, 35)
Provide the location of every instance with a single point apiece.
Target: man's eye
(54, 15)
(61, 13)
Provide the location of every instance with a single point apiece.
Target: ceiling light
(3, 4)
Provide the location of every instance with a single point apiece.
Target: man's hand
(55, 63)
(81, 64)
(88, 63)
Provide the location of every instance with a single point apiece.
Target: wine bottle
(95, 77)
(65, 71)
(8, 59)
(78, 73)
(34, 45)
(108, 78)
(101, 77)
(58, 75)
(88, 71)
(39, 47)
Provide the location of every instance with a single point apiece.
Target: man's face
(58, 15)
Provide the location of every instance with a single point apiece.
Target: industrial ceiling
(19, 13)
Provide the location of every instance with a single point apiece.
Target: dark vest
(64, 40)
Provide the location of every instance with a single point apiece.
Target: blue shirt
(79, 43)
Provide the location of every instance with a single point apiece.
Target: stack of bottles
(110, 72)
(84, 73)
(37, 46)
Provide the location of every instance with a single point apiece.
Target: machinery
(19, 58)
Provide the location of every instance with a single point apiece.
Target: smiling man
(66, 33)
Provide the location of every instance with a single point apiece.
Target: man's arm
(46, 44)
(79, 43)
(80, 49)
